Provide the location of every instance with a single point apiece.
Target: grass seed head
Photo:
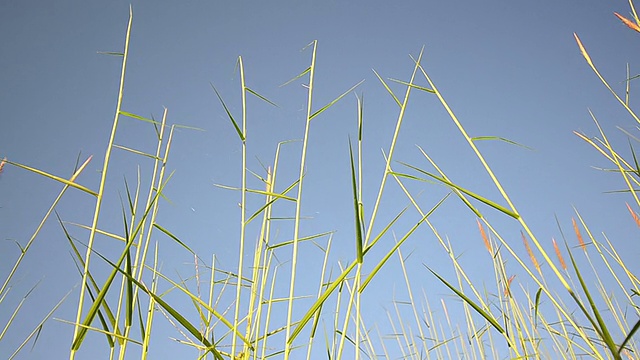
(578, 234)
(632, 25)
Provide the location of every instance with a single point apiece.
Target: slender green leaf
(358, 215)
(413, 86)
(498, 138)
(388, 89)
(334, 101)
(226, 109)
(629, 336)
(175, 238)
(57, 178)
(138, 117)
(111, 53)
(297, 77)
(261, 97)
(397, 245)
(174, 313)
(473, 195)
(475, 306)
(600, 326)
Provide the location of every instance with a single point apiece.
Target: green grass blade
(53, 177)
(306, 71)
(226, 109)
(471, 303)
(629, 336)
(498, 138)
(138, 117)
(472, 194)
(175, 238)
(261, 97)
(422, 88)
(320, 301)
(397, 245)
(356, 205)
(395, 98)
(82, 332)
(334, 100)
(107, 309)
(600, 327)
(174, 313)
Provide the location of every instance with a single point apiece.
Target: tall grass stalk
(519, 314)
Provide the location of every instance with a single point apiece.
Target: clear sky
(508, 69)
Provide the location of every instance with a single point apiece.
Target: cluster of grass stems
(510, 322)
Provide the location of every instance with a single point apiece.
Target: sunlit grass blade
(261, 192)
(598, 325)
(175, 238)
(54, 177)
(38, 328)
(129, 271)
(138, 117)
(395, 98)
(467, 192)
(358, 215)
(226, 109)
(201, 303)
(94, 285)
(305, 72)
(136, 152)
(632, 332)
(79, 337)
(498, 138)
(475, 306)
(421, 88)
(174, 313)
(261, 97)
(393, 249)
(319, 111)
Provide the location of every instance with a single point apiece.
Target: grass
(237, 313)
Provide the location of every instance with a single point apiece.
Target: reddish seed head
(632, 25)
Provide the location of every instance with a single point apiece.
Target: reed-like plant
(240, 313)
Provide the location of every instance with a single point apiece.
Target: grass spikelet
(530, 252)
(4, 161)
(578, 234)
(485, 239)
(559, 254)
(629, 23)
(582, 50)
(507, 288)
(634, 215)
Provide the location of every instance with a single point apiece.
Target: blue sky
(507, 69)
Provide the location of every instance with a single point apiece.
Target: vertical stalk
(296, 229)
(107, 157)
(242, 207)
(387, 167)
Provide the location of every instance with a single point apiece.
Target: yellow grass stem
(105, 168)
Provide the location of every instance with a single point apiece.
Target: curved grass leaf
(498, 138)
(226, 109)
(174, 313)
(472, 194)
(471, 303)
(335, 100)
(356, 205)
(600, 327)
